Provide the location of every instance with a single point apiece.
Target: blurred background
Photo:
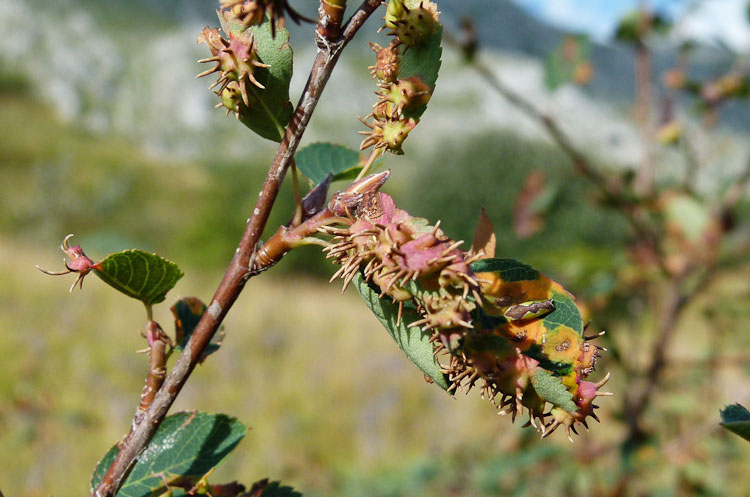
(106, 133)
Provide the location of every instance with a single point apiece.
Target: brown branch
(330, 16)
(157, 368)
(157, 371)
(238, 272)
(645, 177)
(579, 160)
(676, 301)
(288, 237)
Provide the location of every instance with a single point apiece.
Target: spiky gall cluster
(388, 134)
(390, 123)
(407, 259)
(236, 61)
(493, 323)
(400, 95)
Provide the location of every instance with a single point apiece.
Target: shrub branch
(238, 272)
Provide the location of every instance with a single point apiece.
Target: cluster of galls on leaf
(502, 326)
(236, 61)
(390, 120)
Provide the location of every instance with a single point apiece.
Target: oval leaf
(316, 160)
(551, 389)
(423, 60)
(412, 341)
(138, 274)
(270, 109)
(520, 283)
(185, 447)
(187, 312)
(509, 270)
(736, 419)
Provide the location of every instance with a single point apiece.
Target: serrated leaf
(186, 446)
(736, 419)
(566, 313)
(187, 313)
(138, 274)
(316, 160)
(270, 109)
(551, 389)
(412, 341)
(509, 270)
(423, 60)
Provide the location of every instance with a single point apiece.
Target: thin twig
(370, 160)
(238, 273)
(677, 299)
(157, 370)
(580, 161)
(643, 95)
(692, 162)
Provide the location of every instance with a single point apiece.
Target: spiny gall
(412, 26)
(79, 263)
(519, 339)
(236, 60)
(404, 94)
(387, 133)
(387, 62)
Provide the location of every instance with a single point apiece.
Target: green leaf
(412, 341)
(423, 60)
(138, 274)
(557, 368)
(102, 466)
(510, 270)
(186, 446)
(552, 390)
(318, 159)
(566, 313)
(270, 109)
(187, 313)
(736, 419)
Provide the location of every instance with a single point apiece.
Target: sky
(710, 21)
